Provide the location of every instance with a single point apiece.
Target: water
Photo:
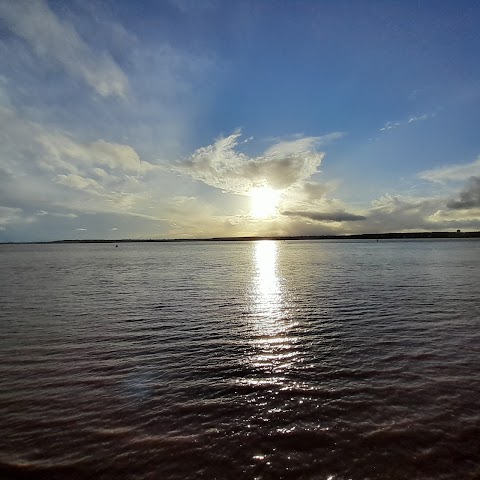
(269, 360)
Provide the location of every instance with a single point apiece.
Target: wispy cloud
(419, 118)
(412, 119)
(391, 126)
(301, 144)
(54, 39)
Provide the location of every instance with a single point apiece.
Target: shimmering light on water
(273, 346)
(267, 290)
(268, 360)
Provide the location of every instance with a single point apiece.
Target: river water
(271, 359)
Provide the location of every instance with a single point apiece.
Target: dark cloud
(469, 196)
(325, 216)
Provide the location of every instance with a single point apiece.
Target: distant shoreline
(364, 236)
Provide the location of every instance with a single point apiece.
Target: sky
(208, 118)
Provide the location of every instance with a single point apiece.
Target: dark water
(269, 360)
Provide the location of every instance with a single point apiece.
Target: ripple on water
(321, 360)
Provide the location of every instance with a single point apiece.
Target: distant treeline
(364, 236)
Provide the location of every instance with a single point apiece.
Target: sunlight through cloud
(264, 202)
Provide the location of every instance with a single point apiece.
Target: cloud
(469, 196)
(390, 126)
(458, 218)
(9, 215)
(42, 168)
(189, 6)
(412, 119)
(42, 213)
(326, 216)
(78, 182)
(453, 173)
(220, 165)
(314, 190)
(24, 142)
(420, 117)
(302, 144)
(63, 152)
(308, 193)
(54, 39)
(389, 213)
(64, 215)
(4, 97)
(392, 213)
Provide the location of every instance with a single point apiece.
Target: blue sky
(161, 119)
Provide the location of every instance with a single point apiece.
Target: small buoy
(116, 246)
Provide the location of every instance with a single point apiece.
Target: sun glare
(264, 201)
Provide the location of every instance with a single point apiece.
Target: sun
(264, 201)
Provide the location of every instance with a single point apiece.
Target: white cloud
(64, 215)
(412, 119)
(23, 141)
(52, 38)
(220, 165)
(455, 173)
(302, 144)
(390, 126)
(78, 182)
(43, 213)
(419, 118)
(43, 168)
(63, 152)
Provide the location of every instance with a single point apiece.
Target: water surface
(269, 359)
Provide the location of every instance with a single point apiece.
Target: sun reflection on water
(275, 352)
(274, 346)
(267, 287)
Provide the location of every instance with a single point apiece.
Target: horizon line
(357, 236)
